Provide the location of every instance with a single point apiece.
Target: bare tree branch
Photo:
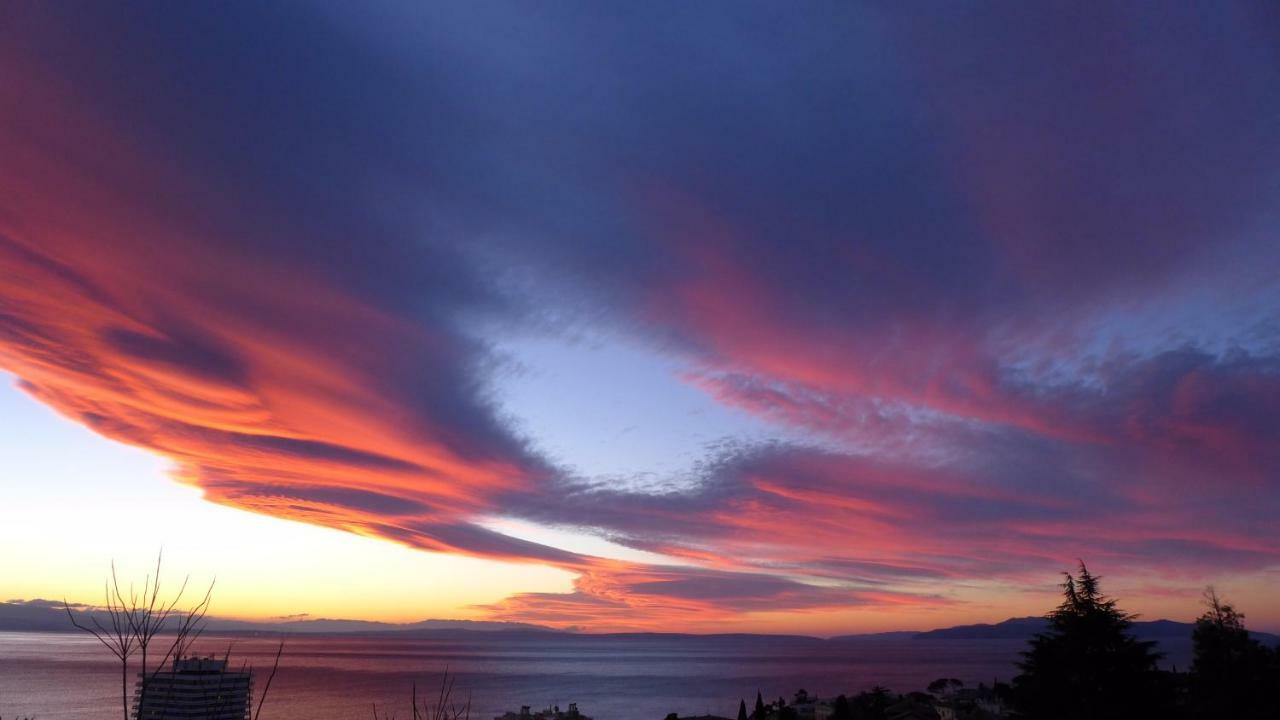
(267, 688)
(119, 638)
(133, 621)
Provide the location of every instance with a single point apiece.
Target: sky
(698, 317)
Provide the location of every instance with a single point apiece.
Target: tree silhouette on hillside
(1087, 664)
(1232, 675)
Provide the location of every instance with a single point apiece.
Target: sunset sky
(661, 316)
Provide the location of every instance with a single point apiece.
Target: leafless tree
(135, 620)
(117, 634)
(152, 615)
(445, 708)
(267, 687)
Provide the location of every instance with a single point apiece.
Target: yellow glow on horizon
(74, 501)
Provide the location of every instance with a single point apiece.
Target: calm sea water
(70, 677)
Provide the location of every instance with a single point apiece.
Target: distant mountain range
(49, 616)
(1026, 627)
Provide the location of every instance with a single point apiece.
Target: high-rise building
(194, 689)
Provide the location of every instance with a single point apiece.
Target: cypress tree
(1087, 664)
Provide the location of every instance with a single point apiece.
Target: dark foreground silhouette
(1089, 666)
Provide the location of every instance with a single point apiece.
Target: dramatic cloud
(659, 598)
(1009, 271)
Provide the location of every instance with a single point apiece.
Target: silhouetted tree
(742, 710)
(133, 621)
(840, 710)
(275, 666)
(1232, 674)
(444, 707)
(759, 713)
(1088, 665)
(116, 634)
(872, 704)
(150, 615)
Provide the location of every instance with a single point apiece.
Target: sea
(62, 676)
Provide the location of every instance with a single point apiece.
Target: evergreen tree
(742, 710)
(759, 714)
(1232, 675)
(1088, 665)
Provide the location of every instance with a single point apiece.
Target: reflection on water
(69, 677)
